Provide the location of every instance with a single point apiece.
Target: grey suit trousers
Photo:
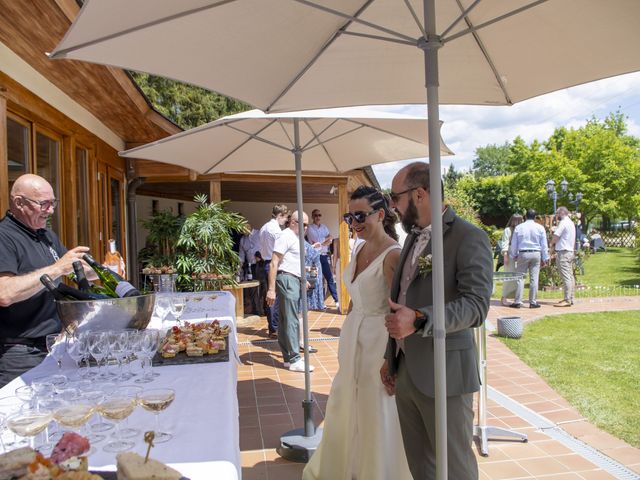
(417, 420)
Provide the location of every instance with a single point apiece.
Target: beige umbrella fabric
(283, 55)
(334, 140)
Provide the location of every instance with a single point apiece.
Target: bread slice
(15, 463)
(131, 466)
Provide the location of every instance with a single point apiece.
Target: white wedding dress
(361, 438)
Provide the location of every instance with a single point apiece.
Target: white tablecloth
(204, 416)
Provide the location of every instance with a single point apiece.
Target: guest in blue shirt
(530, 251)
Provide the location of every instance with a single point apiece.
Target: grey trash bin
(510, 327)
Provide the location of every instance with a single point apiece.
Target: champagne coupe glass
(3, 419)
(117, 407)
(74, 411)
(78, 349)
(98, 348)
(156, 400)
(55, 349)
(94, 397)
(25, 393)
(135, 391)
(107, 388)
(9, 405)
(28, 422)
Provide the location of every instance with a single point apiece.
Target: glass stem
(157, 415)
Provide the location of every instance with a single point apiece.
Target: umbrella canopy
(335, 140)
(298, 54)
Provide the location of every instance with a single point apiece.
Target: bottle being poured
(113, 260)
(113, 284)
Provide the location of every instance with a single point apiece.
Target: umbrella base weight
(484, 434)
(295, 447)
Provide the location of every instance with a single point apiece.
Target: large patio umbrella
(296, 54)
(335, 140)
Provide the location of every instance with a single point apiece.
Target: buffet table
(203, 418)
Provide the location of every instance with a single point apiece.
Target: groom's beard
(410, 217)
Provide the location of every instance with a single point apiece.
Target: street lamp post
(552, 193)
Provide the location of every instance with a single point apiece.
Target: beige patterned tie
(424, 235)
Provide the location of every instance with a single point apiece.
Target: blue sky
(466, 128)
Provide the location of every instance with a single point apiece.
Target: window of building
(48, 166)
(82, 196)
(18, 147)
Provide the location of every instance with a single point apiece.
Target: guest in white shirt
(269, 232)
(530, 251)
(249, 245)
(564, 239)
(284, 278)
(318, 232)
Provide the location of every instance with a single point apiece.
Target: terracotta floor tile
(504, 470)
(257, 472)
(575, 463)
(283, 419)
(252, 458)
(523, 451)
(597, 475)
(290, 471)
(626, 455)
(250, 439)
(547, 466)
(553, 448)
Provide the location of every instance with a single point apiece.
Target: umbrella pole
(430, 46)
(299, 445)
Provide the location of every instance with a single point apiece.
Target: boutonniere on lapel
(425, 265)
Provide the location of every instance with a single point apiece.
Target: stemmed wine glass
(178, 303)
(78, 350)
(98, 348)
(149, 343)
(9, 405)
(162, 306)
(116, 407)
(118, 341)
(55, 349)
(156, 400)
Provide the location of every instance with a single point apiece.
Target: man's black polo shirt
(22, 251)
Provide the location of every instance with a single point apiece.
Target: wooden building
(67, 120)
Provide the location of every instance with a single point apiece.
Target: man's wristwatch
(420, 320)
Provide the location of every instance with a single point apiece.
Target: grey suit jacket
(468, 283)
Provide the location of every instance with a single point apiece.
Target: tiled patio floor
(270, 404)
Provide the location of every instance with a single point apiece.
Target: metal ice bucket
(107, 314)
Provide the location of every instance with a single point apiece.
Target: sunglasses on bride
(359, 217)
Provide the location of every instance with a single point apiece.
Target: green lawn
(611, 273)
(592, 360)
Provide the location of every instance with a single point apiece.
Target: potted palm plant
(205, 256)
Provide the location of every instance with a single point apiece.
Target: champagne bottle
(108, 277)
(114, 284)
(80, 277)
(49, 285)
(75, 294)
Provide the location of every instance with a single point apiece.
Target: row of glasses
(121, 346)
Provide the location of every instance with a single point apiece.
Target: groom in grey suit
(408, 366)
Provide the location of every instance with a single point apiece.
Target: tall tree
(491, 160)
(186, 105)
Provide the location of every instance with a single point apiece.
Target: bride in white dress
(361, 437)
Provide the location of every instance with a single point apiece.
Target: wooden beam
(70, 8)
(4, 155)
(343, 206)
(215, 191)
(69, 185)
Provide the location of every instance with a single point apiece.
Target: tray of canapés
(194, 343)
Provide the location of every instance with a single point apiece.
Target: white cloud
(466, 128)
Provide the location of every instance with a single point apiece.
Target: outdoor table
(483, 431)
(238, 293)
(203, 418)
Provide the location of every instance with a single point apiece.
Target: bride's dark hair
(378, 200)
